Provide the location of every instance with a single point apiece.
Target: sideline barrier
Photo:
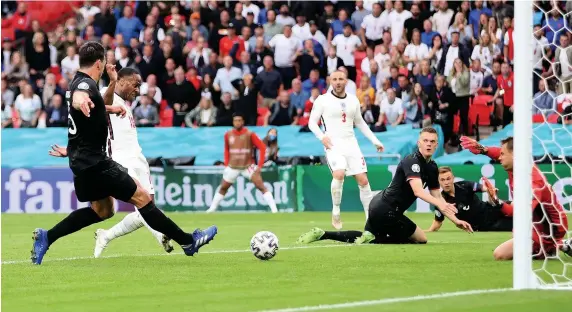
(300, 188)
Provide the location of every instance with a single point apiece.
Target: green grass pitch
(135, 275)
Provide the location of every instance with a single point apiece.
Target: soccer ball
(264, 245)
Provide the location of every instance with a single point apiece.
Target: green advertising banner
(192, 189)
(314, 185)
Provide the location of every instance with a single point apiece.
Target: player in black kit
(97, 178)
(482, 216)
(387, 223)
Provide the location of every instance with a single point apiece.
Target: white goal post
(526, 275)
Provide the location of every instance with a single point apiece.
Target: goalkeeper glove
(472, 145)
(492, 191)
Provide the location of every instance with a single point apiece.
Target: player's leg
(125, 188)
(317, 234)
(229, 176)
(256, 178)
(504, 251)
(358, 168)
(128, 224)
(337, 164)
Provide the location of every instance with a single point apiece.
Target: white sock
(158, 235)
(365, 197)
(130, 223)
(216, 200)
(270, 201)
(336, 190)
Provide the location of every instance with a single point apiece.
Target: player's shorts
(230, 174)
(387, 224)
(348, 158)
(107, 178)
(495, 221)
(138, 169)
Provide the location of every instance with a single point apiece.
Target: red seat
(163, 105)
(553, 118)
(538, 118)
(166, 118)
(456, 123)
(262, 112)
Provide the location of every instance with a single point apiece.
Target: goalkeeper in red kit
(550, 222)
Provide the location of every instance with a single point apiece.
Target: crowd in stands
(412, 62)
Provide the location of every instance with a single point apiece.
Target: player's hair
(89, 53)
(428, 130)
(126, 72)
(445, 169)
(508, 142)
(340, 71)
(238, 114)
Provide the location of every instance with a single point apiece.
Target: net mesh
(552, 145)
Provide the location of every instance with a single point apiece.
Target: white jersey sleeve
(362, 126)
(122, 140)
(315, 116)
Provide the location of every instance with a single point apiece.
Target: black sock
(74, 222)
(342, 236)
(158, 221)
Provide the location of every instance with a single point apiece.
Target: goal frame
(523, 275)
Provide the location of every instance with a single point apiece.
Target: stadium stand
(180, 50)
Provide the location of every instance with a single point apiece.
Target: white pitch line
(391, 300)
(7, 262)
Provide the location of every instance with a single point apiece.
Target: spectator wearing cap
(318, 36)
(262, 15)
(302, 29)
(258, 32)
(227, 42)
(428, 33)
(284, 18)
(225, 76)
(346, 44)
(451, 52)
(269, 82)
(249, 7)
(151, 82)
(285, 46)
(195, 24)
(129, 26)
(414, 22)
(371, 30)
(338, 25)
(204, 115)
(306, 60)
(56, 112)
(181, 96)
(271, 27)
(250, 22)
(359, 14)
(145, 114)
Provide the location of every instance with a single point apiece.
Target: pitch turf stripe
(356, 304)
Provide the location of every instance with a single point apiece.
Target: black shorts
(496, 221)
(388, 225)
(373, 43)
(103, 180)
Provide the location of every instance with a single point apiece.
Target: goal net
(541, 135)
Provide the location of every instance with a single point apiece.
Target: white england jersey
(338, 116)
(122, 141)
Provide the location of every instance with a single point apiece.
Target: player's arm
(110, 92)
(477, 148)
(82, 102)
(226, 150)
(58, 151)
(537, 186)
(435, 226)
(261, 149)
(364, 128)
(315, 115)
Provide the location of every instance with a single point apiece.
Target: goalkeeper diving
(550, 223)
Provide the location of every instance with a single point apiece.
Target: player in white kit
(339, 112)
(123, 147)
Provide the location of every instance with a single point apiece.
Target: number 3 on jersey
(72, 129)
(343, 116)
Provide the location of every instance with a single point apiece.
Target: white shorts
(350, 160)
(138, 169)
(229, 174)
